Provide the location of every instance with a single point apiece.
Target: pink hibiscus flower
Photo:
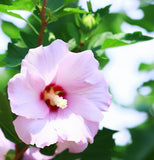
(5, 145)
(30, 154)
(33, 153)
(58, 97)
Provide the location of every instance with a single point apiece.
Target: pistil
(54, 97)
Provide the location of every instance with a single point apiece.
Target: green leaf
(67, 11)
(73, 31)
(29, 39)
(36, 2)
(66, 2)
(146, 67)
(74, 10)
(51, 17)
(99, 42)
(8, 2)
(55, 28)
(145, 102)
(89, 6)
(5, 75)
(150, 84)
(101, 149)
(107, 23)
(143, 143)
(6, 120)
(30, 32)
(55, 4)
(10, 155)
(136, 37)
(122, 39)
(147, 21)
(101, 57)
(49, 150)
(2, 56)
(103, 11)
(61, 32)
(18, 5)
(57, 9)
(113, 42)
(72, 44)
(4, 10)
(10, 29)
(66, 155)
(27, 5)
(15, 55)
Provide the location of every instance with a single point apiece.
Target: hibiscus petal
(33, 153)
(98, 94)
(39, 132)
(72, 146)
(44, 60)
(74, 69)
(24, 95)
(84, 107)
(93, 127)
(64, 125)
(5, 145)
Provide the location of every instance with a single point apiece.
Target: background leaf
(49, 150)
(103, 11)
(147, 21)
(6, 120)
(5, 75)
(10, 29)
(8, 2)
(142, 145)
(66, 2)
(10, 155)
(146, 67)
(27, 5)
(15, 55)
(3, 10)
(123, 39)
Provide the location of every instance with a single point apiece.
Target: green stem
(32, 27)
(38, 19)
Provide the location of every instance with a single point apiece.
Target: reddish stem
(16, 149)
(44, 23)
(18, 154)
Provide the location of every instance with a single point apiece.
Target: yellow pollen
(60, 101)
(55, 99)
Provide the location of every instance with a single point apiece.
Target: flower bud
(89, 21)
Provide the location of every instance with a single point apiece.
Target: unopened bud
(89, 21)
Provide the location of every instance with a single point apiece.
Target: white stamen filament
(55, 99)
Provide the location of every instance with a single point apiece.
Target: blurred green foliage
(6, 120)
(10, 155)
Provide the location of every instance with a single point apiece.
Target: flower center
(54, 97)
